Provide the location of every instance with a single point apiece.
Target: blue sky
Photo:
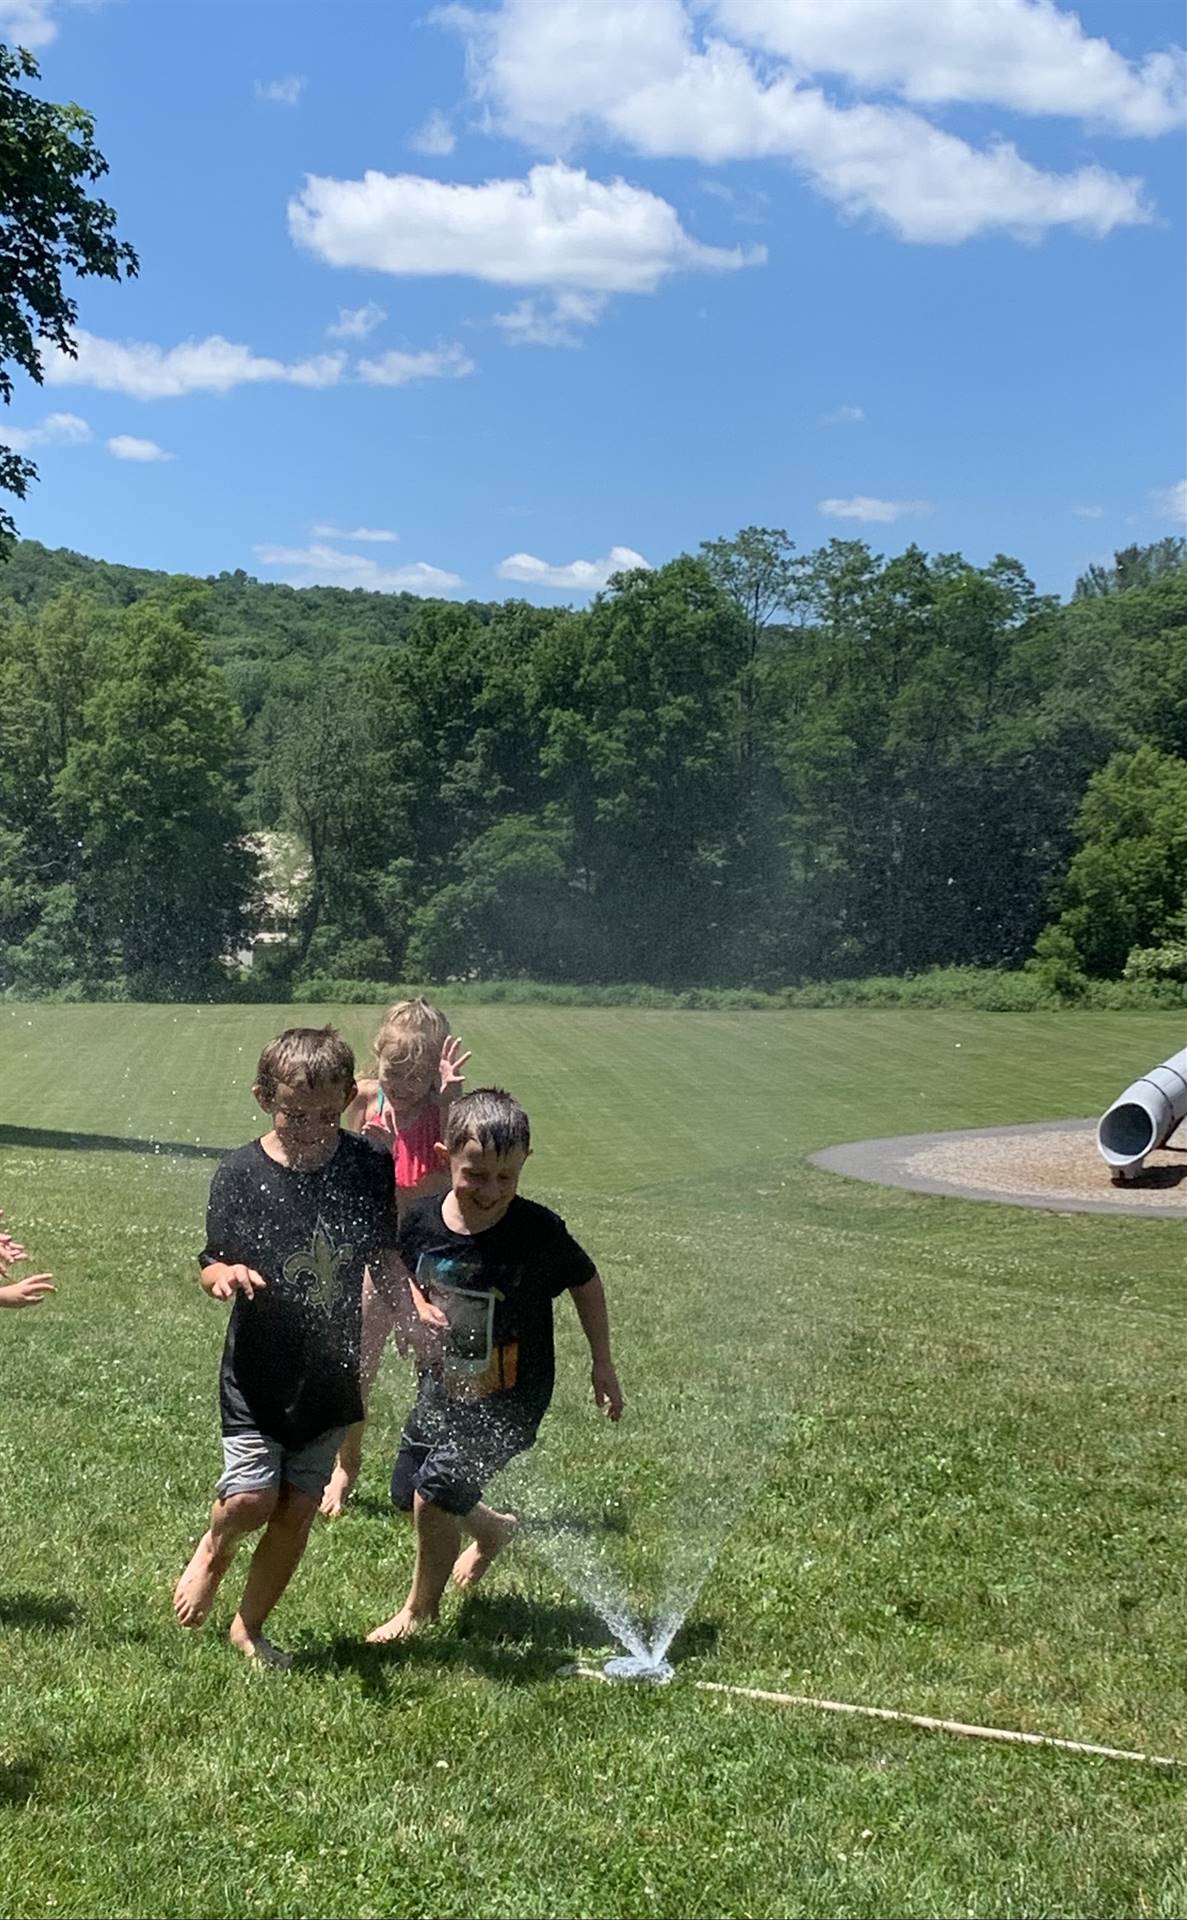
(521, 284)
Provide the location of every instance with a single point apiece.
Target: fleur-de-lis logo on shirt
(322, 1262)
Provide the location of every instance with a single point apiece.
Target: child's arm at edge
(29, 1292)
(590, 1302)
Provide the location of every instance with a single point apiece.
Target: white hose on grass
(926, 1720)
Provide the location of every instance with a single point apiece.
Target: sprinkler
(643, 1668)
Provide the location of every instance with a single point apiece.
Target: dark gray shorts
(448, 1456)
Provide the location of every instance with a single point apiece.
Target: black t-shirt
(290, 1365)
(497, 1287)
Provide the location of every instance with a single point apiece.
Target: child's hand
(425, 1335)
(606, 1390)
(10, 1252)
(452, 1062)
(29, 1292)
(237, 1279)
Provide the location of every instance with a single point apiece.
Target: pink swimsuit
(412, 1144)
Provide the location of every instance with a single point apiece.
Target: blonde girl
(403, 1109)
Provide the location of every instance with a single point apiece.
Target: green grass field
(937, 1442)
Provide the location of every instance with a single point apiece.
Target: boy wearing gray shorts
(294, 1220)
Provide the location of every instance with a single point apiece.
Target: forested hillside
(748, 767)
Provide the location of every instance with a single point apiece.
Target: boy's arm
(222, 1278)
(417, 1321)
(590, 1302)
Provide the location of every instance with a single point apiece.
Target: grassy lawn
(938, 1444)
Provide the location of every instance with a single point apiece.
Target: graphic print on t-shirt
(323, 1262)
(473, 1366)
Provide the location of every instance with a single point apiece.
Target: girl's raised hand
(453, 1061)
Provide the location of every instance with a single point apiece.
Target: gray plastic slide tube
(1145, 1116)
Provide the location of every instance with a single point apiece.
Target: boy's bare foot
(337, 1493)
(194, 1593)
(256, 1647)
(497, 1532)
(401, 1626)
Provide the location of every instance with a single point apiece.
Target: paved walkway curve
(886, 1163)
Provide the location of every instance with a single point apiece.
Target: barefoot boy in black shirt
(485, 1268)
(293, 1220)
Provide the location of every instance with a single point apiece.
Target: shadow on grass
(38, 1610)
(503, 1636)
(508, 1639)
(107, 1143)
(18, 1781)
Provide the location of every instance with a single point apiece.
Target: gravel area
(1054, 1165)
(1061, 1164)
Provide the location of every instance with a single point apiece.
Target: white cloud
(396, 369)
(322, 532)
(1170, 503)
(148, 372)
(328, 567)
(436, 136)
(556, 228)
(587, 576)
(1089, 513)
(1029, 55)
(125, 446)
(843, 416)
(56, 430)
(536, 323)
(862, 506)
(28, 23)
(282, 93)
(355, 323)
(551, 72)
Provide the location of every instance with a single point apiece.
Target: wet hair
(491, 1119)
(412, 1030)
(305, 1057)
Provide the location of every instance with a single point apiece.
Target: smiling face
(407, 1077)
(305, 1120)
(484, 1182)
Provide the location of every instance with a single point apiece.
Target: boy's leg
(378, 1321)
(230, 1519)
(490, 1532)
(273, 1565)
(346, 1471)
(438, 1537)
(303, 1474)
(439, 1477)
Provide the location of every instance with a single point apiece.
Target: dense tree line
(748, 767)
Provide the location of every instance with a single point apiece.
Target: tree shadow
(18, 1781)
(37, 1610)
(52, 1137)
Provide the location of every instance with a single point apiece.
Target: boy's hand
(29, 1292)
(427, 1329)
(237, 1279)
(452, 1062)
(606, 1390)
